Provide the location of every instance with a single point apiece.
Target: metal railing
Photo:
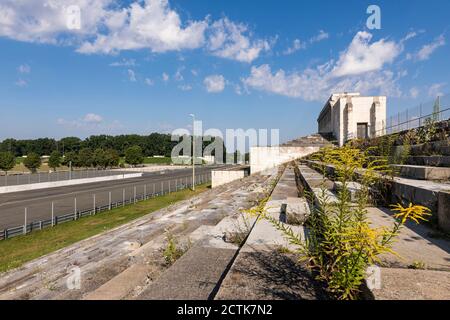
(436, 110)
(166, 187)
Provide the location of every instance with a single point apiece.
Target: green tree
(85, 157)
(99, 158)
(70, 158)
(55, 160)
(112, 158)
(134, 156)
(32, 162)
(7, 161)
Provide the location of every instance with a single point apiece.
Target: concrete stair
(435, 161)
(308, 141)
(423, 172)
(416, 245)
(265, 267)
(432, 194)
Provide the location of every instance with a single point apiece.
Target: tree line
(153, 144)
(85, 158)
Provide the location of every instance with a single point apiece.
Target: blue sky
(144, 66)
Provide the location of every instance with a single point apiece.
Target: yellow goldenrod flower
(413, 212)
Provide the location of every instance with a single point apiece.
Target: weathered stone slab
(434, 161)
(193, 277)
(410, 284)
(413, 245)
(423, 172)
(269, 275)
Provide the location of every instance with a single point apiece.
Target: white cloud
(232, 41)
(436, 89)
(425, 52)
(165, 77)
(131, 75)
(149, 24)
(322, 35)
(296, 46)
(362, 56)
(47, 21)
(317, 84)
(185, 87)
(149, 82)
(24, 68)
(92, 123)
(214, 83)
(178, 76)
(124, 63)
(92, 118)
(21, 83)
(109, 27)
(359, 68)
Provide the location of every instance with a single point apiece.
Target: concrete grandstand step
(431, 194)
(415, 244)
(423, 172)
(317, 183)
(198, 273)
(264, 268)
(264, 236)
(410, 284)
(436, 147)
(434, 161)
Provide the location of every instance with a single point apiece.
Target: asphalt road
(39, 202)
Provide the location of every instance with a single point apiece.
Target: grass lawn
(16, 251)
(151, 160)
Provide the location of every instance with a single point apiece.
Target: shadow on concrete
(272, 275)
(424, 231)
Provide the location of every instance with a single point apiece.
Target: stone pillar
(348, 122)
(375, 121)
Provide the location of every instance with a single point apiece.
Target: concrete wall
(63, 183)
(262, 158)
(220, 177)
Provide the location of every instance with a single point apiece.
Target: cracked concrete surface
(134, 247)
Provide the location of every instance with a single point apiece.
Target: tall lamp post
(193, 152)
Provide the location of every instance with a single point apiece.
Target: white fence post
(25, 222)
(109, 200)
(145, 192)
(134, 194)
(53, 214)
(75, 209)
(123, 197)
(95, 207)
(153, 190)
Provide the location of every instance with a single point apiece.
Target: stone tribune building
(348, 115)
